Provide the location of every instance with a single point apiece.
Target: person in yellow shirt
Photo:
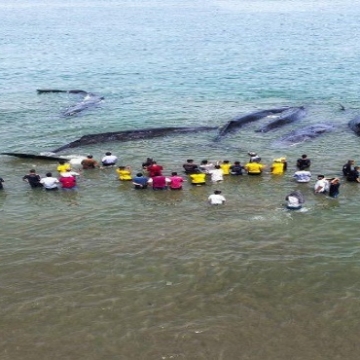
(63, 166)
(198, 178)
(279, 166)
(124, 173)
(254, 168)
(225, 167)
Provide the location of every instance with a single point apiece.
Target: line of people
(198, 174)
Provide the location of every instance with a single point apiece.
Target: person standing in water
(216, 198)
(33, 179)
(334, 187)
(89, 163)
(295, 200)
(49, 182)
(303, 163)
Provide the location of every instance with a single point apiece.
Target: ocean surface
(111, 273)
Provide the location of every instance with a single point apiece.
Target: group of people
(198, 175)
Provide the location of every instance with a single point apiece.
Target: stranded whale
(127, 135)
(237, 123)
(303, 134)
(35, 157)
(286, 117)
(89, 100)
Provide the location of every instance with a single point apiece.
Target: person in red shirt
(154, 168)
(68, 182)
(159, 182)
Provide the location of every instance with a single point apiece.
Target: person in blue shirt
(140, 181)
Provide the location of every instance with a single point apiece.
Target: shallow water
(108, 272)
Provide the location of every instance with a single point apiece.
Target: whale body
(90, 100)
(34, 156)
(303, 134)
(235, 124)
(128, 135)
(286, 117)
(354, 125)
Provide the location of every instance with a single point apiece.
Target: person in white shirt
(294, 200)
(205, 166)
(49, 182)
(302, 176)
(217, 174)
(216, 198)
(322, 185)
(109, 159)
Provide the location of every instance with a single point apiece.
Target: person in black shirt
(334, 187)
(1, 181)
(348, 167)
(237, 168)
(190, 167)
(354, 175)
(303, 163)
(33, 179)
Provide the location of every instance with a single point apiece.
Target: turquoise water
(112, 273)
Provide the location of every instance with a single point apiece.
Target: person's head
(350, 162)
(357, 168)
(121, 167)
(237, 162)
(189, 161)
(61, 162)
(252, 154)
(226, 161)
(174, 173)
(32, 171)
(89, 156)
(304, 156)
(204, 162)
(217, 192)
(139, 174)
(49, 174)
(320, 177)
(108, 153)
(217, 167)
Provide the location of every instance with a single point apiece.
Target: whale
(235, 124)
(35, 156)
(89, 100)
(354, 125)
(301, 135)
(127, 135)
(286, 117)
